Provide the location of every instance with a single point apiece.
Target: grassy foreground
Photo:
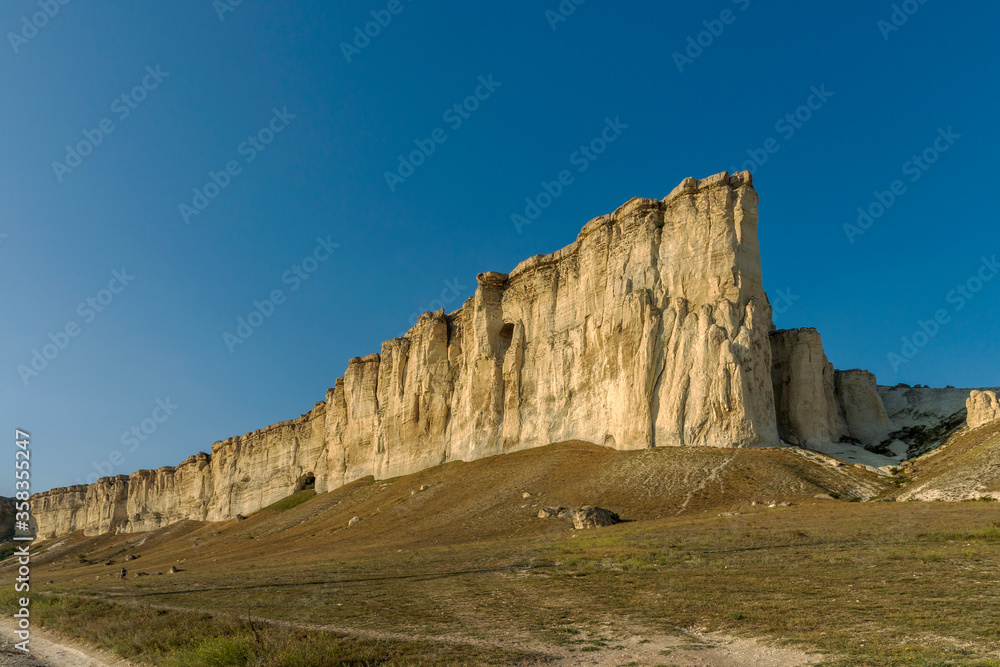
(174, 638)
(457, 553)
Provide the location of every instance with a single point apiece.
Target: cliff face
(815, 404)
(241, 475)
(863, 416)
(650, 330)
(983, 407)
(804, 388)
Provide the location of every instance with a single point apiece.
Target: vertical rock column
(803, 378)
(862, 412)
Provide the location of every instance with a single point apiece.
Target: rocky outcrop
(816, 404)
(804, 388)
(651, 329)
(983, 407)
(593, 517)
(924, 417)
(862, 413)
(241, 475)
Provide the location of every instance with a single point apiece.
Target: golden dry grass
(866, 583)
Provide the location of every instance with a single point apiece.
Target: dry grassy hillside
(966, 467)
(484, 500)
(451, 566)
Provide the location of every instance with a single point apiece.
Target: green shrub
(216, 652)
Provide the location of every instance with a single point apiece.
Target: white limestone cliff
(804, 388)
(863, 415)
(983, 407)
(651, 329)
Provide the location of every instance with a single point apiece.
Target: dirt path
(686, 648)
(51, 650)
(708, 479)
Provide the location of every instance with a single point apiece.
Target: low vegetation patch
(171, 638)
(291, 501)
(861, 583)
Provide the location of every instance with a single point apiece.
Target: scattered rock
(593, 517)
(525, 495)
(142, 574)
(155, 574)
(50, 581)
(173, 569)
(424, 487)
(731, 514)
(355, 520)
(109, 562)
(823, 496)
(547, 512)
(240, 517)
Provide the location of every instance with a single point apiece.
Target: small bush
(217, 652)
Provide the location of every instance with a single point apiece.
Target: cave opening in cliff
(307, 481)
(506, 336)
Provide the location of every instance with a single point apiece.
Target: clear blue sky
(161, 336)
